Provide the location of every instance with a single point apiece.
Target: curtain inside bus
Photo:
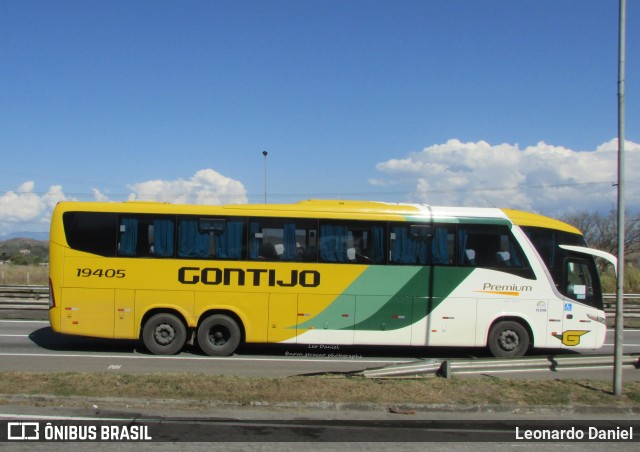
(406, 249)
(337, 241)
(192, 242)
(163, 238)
(333, 243)
(228, 243)
(290, 246)
(128, 237)
(377, 233)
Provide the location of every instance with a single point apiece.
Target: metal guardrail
(24, 297)
(631, 308)
(447, 368)
(37, 297)
(611, 297)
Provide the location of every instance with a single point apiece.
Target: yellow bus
(322, 272)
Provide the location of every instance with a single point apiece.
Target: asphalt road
(296, 433)
(361, 434)
(30, 345)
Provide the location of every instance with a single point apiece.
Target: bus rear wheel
(164, 334)
(219, 335)
(508, 339)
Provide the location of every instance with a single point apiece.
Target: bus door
(580, 286)
(451, 316)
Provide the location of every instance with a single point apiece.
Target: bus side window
(146, 236)
(489, 246)
(211, 238)
(193, 241)
(289, 240)
(355, 242)
(92, 232)
(421, 244)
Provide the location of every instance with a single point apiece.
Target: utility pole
(618, 345)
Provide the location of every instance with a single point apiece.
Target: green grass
(27, 275)
(202, 390)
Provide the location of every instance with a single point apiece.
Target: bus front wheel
(164, 334)
(218, 335)
(508, 339)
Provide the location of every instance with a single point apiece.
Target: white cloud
(543, 178)
(205, 187)
(25, 210)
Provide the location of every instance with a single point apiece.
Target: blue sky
(466, 102)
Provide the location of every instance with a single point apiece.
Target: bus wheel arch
(219, 333)
(509, 337)
(164, 332)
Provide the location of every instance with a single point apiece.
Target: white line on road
(208, 358)
(74, 418)
(25, 321)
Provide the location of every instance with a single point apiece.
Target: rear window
(92, 232)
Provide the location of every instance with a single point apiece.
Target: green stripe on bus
(414, 302)
(495, 221)
(388, 296)
(379, 283)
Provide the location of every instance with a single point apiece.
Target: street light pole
(265, 153)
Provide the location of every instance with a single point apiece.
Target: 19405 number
(100, 273)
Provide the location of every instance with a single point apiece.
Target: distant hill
(25, 235)
(23, 251)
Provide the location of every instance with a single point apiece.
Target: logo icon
(571, 338)
(24, 431)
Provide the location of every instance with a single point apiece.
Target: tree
(601, 231)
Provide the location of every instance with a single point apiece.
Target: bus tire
(164, 334)
(219, 335)
(508, 339)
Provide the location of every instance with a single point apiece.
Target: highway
(30, 345)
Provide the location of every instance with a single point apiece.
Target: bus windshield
(574, 273)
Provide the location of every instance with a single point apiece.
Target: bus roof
(335, 209)
(532, 219)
